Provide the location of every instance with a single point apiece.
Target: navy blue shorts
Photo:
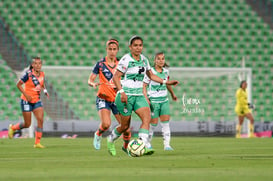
(103, 104)
(28, 107)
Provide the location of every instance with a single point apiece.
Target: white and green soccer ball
(136, 148)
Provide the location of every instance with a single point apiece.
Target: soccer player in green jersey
(157, 97)
(128, 79)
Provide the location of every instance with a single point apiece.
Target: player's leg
(154, 121)
(153, 125)
(104, 112)
(251, 125)
(126, 134)
(125, 118)
(142, 109)
(166, 133)
(105, 117)
(26, 112)
(39, 115)
(239, 126)
(165, 124)
(116, 133)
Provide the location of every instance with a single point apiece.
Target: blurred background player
(33, 79)
(105, 100)
(129, 81)
(157, 97)
(242, 109)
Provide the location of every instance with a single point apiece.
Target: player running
(242, 109)
(106, 94)
(128, 79)
(158, 100)
(33, 79)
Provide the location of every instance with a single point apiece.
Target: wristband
(121, 91)
(45, 91)
(164, 81)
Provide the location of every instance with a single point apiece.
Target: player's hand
(123, 97)
(251, 106)
(28, 97)
(174, 98)
(93, 84)
(46, 93)
(172, 82)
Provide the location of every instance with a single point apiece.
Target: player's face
(244, 85)
(112, 50)
(37, 65)
(136, 47)
(160, 60)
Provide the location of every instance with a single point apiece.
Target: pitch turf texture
(194, 159)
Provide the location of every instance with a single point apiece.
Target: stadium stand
(9, 107)
(192, 33)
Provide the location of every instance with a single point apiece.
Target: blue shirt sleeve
(96, 68)
(25, 76)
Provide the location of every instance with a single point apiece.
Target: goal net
(205, 95)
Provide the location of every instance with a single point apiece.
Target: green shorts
(159, 109)
(133, 104)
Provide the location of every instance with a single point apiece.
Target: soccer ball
(136, 148)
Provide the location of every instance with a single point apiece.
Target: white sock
(166, 133)
(143, 134)
(151, 132)
(114, 135)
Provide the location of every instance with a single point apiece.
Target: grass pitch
(194, 159)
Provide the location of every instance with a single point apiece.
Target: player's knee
(125, 128)
(106, 126)
(27, 125)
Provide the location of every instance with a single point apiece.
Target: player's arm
(145, 92)
(45, 90)
(21, 89)
(91, 80)
(116, 79)
(170, 89)
(159, 80)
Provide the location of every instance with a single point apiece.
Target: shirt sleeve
(96, 68)
(25, 76)
(146, 79)
(168, 74)
(122, 65)
(148, 67)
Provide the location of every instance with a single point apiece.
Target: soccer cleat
(111, 148)
(149, 146)
(168, 148)
(149, 151)
(252, 135)
(96, 141)
(38, 145)
(10, 132)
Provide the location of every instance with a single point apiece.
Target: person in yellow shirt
(243, 109)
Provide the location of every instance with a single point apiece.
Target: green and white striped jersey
(134, 71)
(157, 92)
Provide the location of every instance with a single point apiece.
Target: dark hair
(32, 60)
(159, 53)
(241, 84)
(133, 38)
